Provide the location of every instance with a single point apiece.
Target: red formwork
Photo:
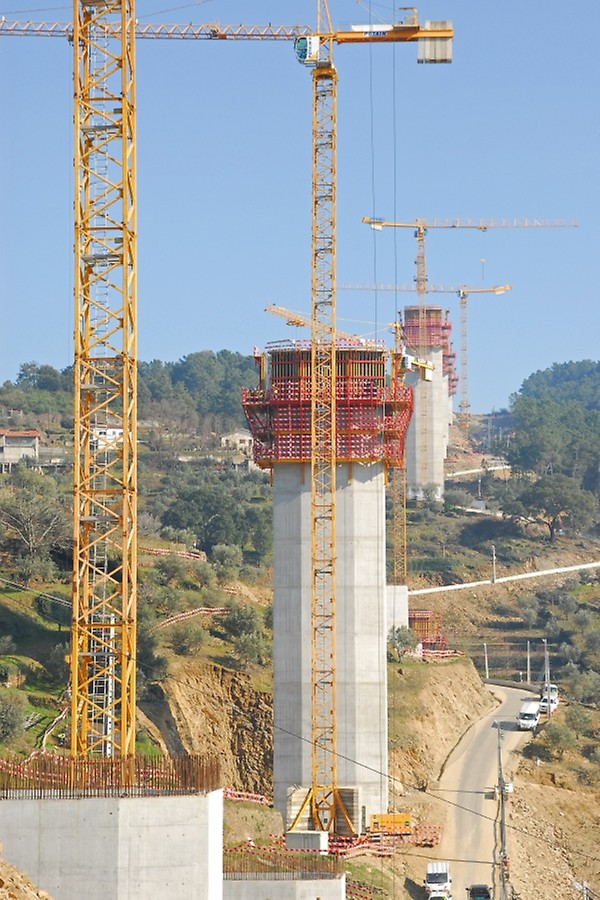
(425, 624)
(373, 408)
(429, 326)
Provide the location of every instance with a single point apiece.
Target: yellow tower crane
(463, 293)
(103, 657)
(420, 227)
(327, 810)
(103, 651)
(464, 406)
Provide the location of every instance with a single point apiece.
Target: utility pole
(493, 564)
(528, 663)
(485, 656)
(504, 871)
(547, 678)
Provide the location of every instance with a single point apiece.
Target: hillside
(204, 680)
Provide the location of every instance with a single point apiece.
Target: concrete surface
(122, 848)
(360, 634)
(277, 889)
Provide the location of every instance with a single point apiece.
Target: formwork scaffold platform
(429, 326)
(373, 408)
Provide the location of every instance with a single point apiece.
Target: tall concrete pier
(372, 416)
(428, 330)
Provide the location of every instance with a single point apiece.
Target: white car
(544, 704)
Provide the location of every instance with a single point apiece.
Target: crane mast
(103, 651)
(420, 228)
(325, 801)
(327, 809)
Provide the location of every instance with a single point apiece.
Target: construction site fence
(246, 796)
(195, 555)
(275, 864)
(65, 777)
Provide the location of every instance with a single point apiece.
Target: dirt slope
(16, 886)
(553, 838)
(431, 705)
(211, 710)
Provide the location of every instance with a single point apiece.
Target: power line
(148, 668)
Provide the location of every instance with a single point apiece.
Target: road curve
(471, 840)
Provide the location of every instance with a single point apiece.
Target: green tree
(227, 561)
(402, 639)
(579, 719)
(253, 647)
(171, 569)
(44, 378)
(7, 645)
(208, 510)
(56, 609)
(529, 610)
(585, 687)
(259, 526)
(559, 738)
(241, 620)
(187, 638)
(13, 711)
(34, 515)
(556, 500)
(56, 662)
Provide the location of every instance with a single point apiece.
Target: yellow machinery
(463, 293)
(103, 654)
(391, 823)
(420, 228)
(327, 809)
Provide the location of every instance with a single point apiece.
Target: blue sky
(510, 130)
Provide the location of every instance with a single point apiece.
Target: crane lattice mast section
(103, 650)
(324, 797)
(328, 811)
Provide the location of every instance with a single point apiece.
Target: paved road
(471, 838)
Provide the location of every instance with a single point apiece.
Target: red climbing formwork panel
(373, 408)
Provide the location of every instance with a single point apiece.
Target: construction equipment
(420, 228)
(463, 293)
(103, 652)
(328, 812)
(103, 658)
(299, 320)
(391, 823)
(464, 408)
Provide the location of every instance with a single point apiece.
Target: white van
(437, 880)
(529, 716)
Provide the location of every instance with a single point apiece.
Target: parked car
(544, 704)
(479, 892)
(551, 689)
